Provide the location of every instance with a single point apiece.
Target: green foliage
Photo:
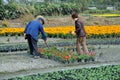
(66, 36)
(5, 23)
(69, 36)
(110, 72)
(16, 36)
(13, 11)
(16, 8)
(56, 9)
(14, 47)
(1, 2)
(9, 11)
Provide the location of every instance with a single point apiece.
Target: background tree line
(12, 9)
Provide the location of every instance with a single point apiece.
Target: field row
(111, 72)
(65, 31)
(59, 43)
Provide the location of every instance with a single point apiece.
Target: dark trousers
(32, 45)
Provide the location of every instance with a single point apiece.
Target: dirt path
(66, 21)
(21, 64)
(13, 63)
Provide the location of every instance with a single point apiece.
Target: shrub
(56, 9)
(5, 23)
(13, 11)
(9, 11)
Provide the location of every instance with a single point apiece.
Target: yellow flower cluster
(89, 29)
(62, 29)
(11, 30)
(103, 29)
(106, 15)
(67, 29)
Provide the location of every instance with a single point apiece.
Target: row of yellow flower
(11, 30)
(89, 29)
(67, 29)
(106, 15)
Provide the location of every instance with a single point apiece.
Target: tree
(26, 2)
(102, 4)
(11, 1)
(22, 1)
(1, 2)
(116, 3)
(83, 4)
(48, 1)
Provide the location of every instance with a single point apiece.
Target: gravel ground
(13, 63)
(108, 53)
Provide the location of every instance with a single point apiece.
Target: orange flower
(40, 50)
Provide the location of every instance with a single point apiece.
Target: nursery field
(59, 60)
(61, 57)
(17, 64)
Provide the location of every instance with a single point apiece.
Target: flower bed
(64, 31)
(107, 15)
(111, 72)
(66, 55)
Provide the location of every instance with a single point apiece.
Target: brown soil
(64, 21)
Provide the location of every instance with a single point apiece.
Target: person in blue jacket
(31, 33)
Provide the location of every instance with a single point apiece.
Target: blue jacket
(33, 28)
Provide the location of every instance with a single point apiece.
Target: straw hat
(41, 18)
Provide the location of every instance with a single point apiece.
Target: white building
(39, 0)
(110, 8)
(93, 8)
(36, 0)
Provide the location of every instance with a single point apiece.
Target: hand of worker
(25, 36)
